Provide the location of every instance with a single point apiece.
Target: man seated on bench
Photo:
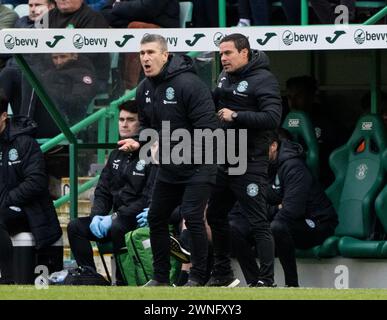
(124, 188)
(301, 213)
(25, 205)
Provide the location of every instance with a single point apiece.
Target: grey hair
(155, 38)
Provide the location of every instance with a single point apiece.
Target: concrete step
(338, 273)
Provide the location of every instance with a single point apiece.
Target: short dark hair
(147, 38)
(278, 135)
(3, 102)
(305, 84)
(129, 106)
(240, 41)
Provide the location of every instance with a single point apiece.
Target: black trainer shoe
(192, 283)
(155, 283)
(263, 284)
(225, 281)
(178, 251)
(6, 281)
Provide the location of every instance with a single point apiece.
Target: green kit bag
(135, 261)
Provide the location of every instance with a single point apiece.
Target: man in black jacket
(11, 75)
(25, 204)
(70, 81)
(69, 14)
(172, 96)
(124, 188)
(247, 97)
(164, 13)
(77, 14)
(301, 213)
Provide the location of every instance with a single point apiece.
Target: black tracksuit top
(293, 185)
(177, 95)
(24, 182)
(252, 92)
(125, 185)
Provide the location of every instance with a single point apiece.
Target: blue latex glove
(142, 218)
(95, 226)
(105, 225)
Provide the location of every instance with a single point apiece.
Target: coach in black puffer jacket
(176, 96)
(253, 93)
(24, 180)
(25, 204)
(304, 216)
(164, 13)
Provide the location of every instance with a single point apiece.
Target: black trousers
(193, 199)
(10, 82)
(259, 11)
(298, 234)
(11, 223)
(242, 247)
(79, 235)
(249, 190)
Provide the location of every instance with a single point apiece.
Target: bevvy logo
(289, 37)
(217, 38)
(55, 41)
(360, 36)
(80, 41)
(268, 36)
(11, 42)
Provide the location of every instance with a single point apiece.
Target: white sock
(245, 22)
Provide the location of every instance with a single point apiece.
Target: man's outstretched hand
(128, 145)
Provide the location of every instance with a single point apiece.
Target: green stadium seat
(300, 126)
(359, 175)
(352, 247)
(358, 181)
(186, 8)
(22, 10)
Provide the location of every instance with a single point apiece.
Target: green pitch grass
(138, 293)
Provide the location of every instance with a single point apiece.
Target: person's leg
(10, 82)
(121, 225)
(11, 223)
(324, 11)
(241, 248)
(309, 235)
(351, 5)
(192, 209)
(249, 190)
(292, 11)
(166, 197)
(285, 248)
(205, 14)
(260, 12)
(244, 13)
(220, 203)
(79, 234)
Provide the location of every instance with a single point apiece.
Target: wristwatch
(114, 215)
(234, 115)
